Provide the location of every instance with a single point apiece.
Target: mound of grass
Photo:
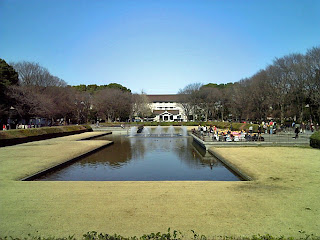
(315, 140)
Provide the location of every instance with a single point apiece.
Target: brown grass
(282, 200)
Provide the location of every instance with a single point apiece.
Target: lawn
(283, 199)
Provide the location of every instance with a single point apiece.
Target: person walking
(204, 130)
(251, 129)
(296, 132)
(210, 131)
(271, 128)
(303, 128)
(259, 130)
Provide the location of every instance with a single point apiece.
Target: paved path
(281, 139)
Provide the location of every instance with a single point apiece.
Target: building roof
(164, 98)
(173, 112)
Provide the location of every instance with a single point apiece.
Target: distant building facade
(166, 108)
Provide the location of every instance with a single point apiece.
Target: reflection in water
(146, 159)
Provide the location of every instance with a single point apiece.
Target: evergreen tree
(8, 77)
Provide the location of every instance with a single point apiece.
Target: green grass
(22, 133)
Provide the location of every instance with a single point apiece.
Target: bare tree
(141, 105)
(62, 102)
(82, 105)
(113, 104)
(189, 98)
(313, 82)
(279, 82)
(209, 98)
(259, 100)
(29, 102)
(32, 74)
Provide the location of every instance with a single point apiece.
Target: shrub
(174, 235)
(88, 127)
(31, 132)
(315, 140)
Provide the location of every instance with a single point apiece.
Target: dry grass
(282, 200)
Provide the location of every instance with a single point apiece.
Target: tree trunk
(301, 113)
(281, 113)
(222, 117)
(206, 116)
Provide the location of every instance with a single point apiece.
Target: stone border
(68, 162)
(231, 166)
(93, 137)
(63, 164)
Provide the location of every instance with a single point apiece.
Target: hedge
(315, 140)
(17, 136)
(170, 235)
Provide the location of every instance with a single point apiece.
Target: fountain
(133, 131)
(146, 132)
(158, 131)
(184, 131)
(171, 131)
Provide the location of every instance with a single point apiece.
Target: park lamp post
(11, 113)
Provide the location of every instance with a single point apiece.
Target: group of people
(227, 135)
(205, 131)
(267, 127)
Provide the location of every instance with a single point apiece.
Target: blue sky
(156, 46)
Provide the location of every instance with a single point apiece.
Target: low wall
(64, 164)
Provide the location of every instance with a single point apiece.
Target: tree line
(286, 90)
(28, 90)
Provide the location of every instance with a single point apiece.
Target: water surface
(146, 159)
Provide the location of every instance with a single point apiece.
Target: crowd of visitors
(270, 128)
(227, 135)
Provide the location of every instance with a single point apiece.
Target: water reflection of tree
(138, 147)
(194, 155)
(127, 149)
(115, 155)
(188, 152)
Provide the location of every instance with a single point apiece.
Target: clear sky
(156, 46)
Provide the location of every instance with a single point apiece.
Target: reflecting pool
(146, 159)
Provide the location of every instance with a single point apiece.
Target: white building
(166, 108)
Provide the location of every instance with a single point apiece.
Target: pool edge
(63, 164)
(231, 166)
